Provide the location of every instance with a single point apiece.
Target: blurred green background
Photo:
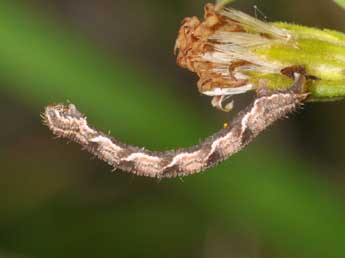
(283, 196)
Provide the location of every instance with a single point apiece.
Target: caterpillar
(68, 122)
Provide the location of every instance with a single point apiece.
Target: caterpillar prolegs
(67, 122)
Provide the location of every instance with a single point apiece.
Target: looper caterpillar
(68, 122)
(224, 69)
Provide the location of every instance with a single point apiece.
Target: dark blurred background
(281, 197)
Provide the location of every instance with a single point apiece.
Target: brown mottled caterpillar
(68, 122)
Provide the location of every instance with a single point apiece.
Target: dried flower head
(220, 49)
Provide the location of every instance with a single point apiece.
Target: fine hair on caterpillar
(67, 122)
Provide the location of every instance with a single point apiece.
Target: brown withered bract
(193, 41)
